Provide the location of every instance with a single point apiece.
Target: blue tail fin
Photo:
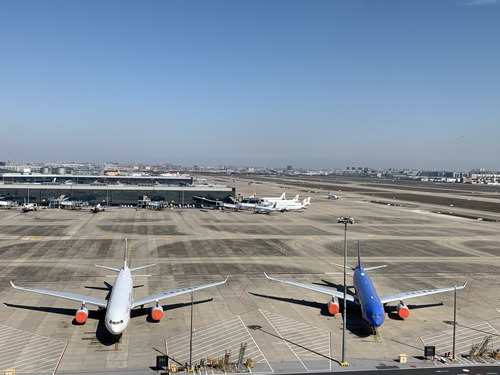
(359, 256)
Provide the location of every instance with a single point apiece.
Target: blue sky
(313, 84)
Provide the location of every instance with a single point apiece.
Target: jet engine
(333, 307)
(81, 315)
(403, 310)
(157, 313)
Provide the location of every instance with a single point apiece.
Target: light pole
(453, 358)
(191, 333)
(345, 221)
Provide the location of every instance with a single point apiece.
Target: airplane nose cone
(116, 329)
(377, 322)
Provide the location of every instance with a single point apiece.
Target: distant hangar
(108, 190)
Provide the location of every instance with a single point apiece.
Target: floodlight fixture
(345, 220)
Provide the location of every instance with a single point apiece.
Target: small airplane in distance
(372, 306)
(259, 209)
(281, 197)
(217, 204)
(29, 207)
(97, 208)
(120, 302)
(289, 205)
(7, 204)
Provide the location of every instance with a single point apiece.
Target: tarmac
(284, 329)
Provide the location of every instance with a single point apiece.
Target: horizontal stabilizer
(108, 268)
(342, 266)
(375, 267)
(141, 267)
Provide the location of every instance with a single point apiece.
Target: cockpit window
(115, 322)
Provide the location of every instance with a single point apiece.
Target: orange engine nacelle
(333, 307)
(403, 311)
(81, 315)
(157, 313)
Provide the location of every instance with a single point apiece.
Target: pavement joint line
(284, 340)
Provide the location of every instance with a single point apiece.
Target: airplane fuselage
(120, 303)
(286, 204)
(371, 307)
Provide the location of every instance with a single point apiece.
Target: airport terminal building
(174, 190)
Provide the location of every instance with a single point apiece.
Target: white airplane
(67, 204)
(372, 306)
(281, 197)
(216, 203)
(97, 208)
(259, 209)
(288, 205)
(247, 206)
(7, 204)
(120, 302)
(29, 207)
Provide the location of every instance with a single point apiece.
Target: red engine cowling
(81, 315)
(403, 311)
(333, 307)
(157, 313)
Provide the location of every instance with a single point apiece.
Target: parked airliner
(290, 205)
(272, 199)
(259, 209)
(29, 207)
(372, 306)
(97, 208)
(120, 302)
(282, 201)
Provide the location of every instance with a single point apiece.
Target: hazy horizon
(316, 85)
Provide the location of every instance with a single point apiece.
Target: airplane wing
(71, 296)
(331, 292)
(417, 293)
(172, 293)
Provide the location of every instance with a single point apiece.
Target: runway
(284, 328)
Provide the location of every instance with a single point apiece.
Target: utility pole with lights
(345, 221)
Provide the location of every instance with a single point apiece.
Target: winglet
(11, 283)
(270, 278)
